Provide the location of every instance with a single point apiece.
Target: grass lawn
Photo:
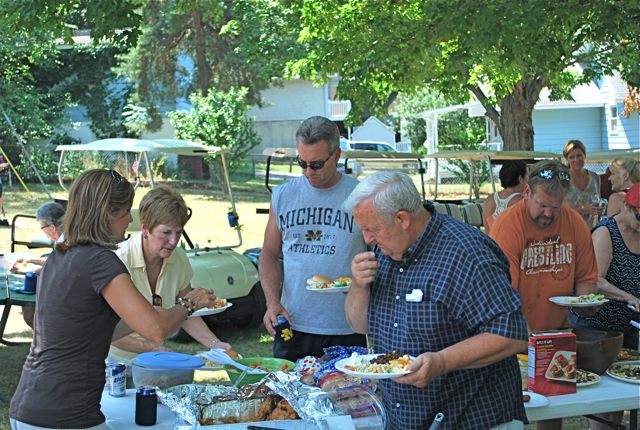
(207, 227)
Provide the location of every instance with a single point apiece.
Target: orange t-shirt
(545, 262)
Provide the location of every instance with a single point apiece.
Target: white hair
(391, 192)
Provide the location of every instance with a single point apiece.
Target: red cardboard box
(552, 363)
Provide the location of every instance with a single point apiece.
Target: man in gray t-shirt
(315, 236)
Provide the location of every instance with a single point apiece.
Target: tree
(502, 52)
(219, 119)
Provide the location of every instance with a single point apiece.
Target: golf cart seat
(472, 213)
(26, 224)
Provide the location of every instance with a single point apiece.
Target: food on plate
(627, 354)
(587, 298)
(584, 377)
(341, 282)
(284, 367)
(626, 370)
(219, 302)
(526, 398)
(319, 282)
(272, 408)
(386, 363)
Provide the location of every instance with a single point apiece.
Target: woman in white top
(584, 193)
(624, 173)
(512, 178)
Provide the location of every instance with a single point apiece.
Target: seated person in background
(50, 217)
(513, 174)
(160, 270)
(624, 173)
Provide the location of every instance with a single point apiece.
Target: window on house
(613, 119)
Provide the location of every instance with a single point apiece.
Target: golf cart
(233, 276)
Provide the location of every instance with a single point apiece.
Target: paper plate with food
(219, 305)
(583, 301)
(627, 371)
(323, 284)
(584, 378)
(375, 366)
(533, 400)
(628, 354)
(23, 267)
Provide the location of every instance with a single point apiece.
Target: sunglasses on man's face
(313, 165)
(635, 212)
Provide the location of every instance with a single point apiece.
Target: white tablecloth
(120, 413)
(608, 395)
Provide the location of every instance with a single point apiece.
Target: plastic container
(164, 369)
(365, 409)
(267, 363)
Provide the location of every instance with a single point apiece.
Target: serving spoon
(219, 356)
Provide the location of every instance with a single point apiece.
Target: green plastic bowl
(271, 363)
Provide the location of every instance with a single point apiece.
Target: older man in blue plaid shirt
(437, 289)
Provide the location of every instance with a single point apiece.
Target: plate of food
(628, 354)
(323, 284)
(23, 267)
(583, 301)
(562, 367)
(627, 371)
(584, 378)
(375, 366)
(533, 400)
(219, 305)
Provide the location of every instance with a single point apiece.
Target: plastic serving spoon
(219, 356)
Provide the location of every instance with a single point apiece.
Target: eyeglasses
(634, 211)
(549, 174)
(313, 165)
(156, 300)
(43, 226)
(117, 178)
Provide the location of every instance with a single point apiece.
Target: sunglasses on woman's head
(313, 165)
(117, 178)
(549, 174)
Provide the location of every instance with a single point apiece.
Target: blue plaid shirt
(464, 278)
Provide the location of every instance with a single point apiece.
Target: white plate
(21, 269)
(208, 311)
(329, 289)
(569, 301)
(350, 360)
(622, 378)
(537, 400)
(586, 384)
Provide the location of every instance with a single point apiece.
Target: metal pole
(26, 151)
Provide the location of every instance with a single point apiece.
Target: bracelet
(187, 303)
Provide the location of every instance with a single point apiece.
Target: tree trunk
(203, 72)
(516, 115)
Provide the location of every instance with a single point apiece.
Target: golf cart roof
(173, 146)
(612, 154)
(492, 155)
(346, 153)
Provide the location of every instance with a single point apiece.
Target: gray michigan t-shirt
(318, 238)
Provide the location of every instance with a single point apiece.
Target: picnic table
(9, 297)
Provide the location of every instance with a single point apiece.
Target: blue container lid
(168, 360)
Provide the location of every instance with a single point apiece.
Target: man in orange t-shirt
(549, 247)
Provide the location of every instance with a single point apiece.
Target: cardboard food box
(552, 363)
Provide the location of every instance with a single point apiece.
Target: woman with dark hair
(83, 291)
(584, 192)
(513, 174)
